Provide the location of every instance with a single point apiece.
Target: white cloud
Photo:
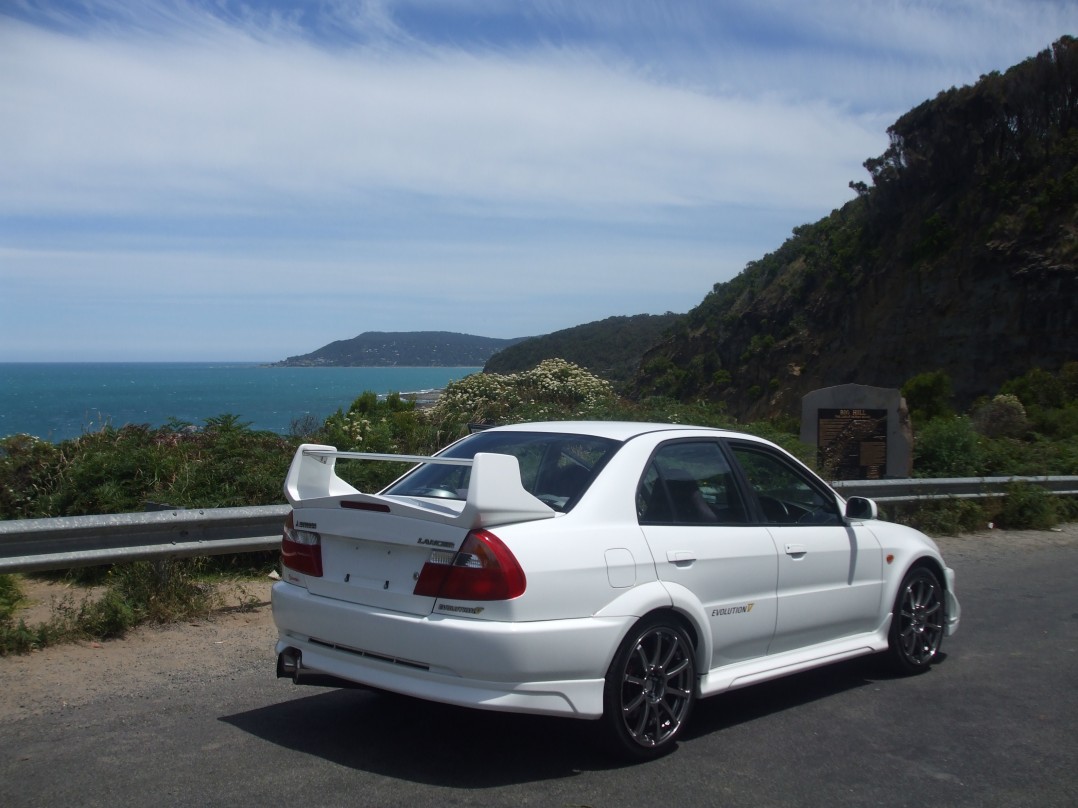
(215, 115)
(236, 123)
(553, 162)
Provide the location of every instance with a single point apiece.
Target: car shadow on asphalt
(436, 744)
(425, 742)
(758, 701)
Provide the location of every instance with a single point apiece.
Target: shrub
(1028, 507)
(103, 618)
(941, 517)
(1002, 417)
(18, 638)
(156, 591)
(1038, 389)
(143, 591)
(947, 447)
(29, 475)
(479, 398)
(119, 470)
(928, 396)
(1060, 424)
(1067, 507)
(553, 389)
(10, 595)
(1004, 457)
(385, 426)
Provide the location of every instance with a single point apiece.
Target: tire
(650, 689)
(917, 622)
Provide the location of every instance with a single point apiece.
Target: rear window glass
(555, 468)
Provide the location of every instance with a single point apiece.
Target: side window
(689, 483)
(787, 496)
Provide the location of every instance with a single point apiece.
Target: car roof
(615, 430)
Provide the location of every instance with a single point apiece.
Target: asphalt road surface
(993, 724)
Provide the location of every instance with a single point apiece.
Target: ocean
(58, 401)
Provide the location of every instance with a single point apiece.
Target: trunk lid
(374, 547)
(374, 558)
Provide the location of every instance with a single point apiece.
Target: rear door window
(689, 482)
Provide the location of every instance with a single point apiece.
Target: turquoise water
(57, 401)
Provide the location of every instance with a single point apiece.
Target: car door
(695, 521)
(830, 572)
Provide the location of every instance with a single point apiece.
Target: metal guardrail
(31, 545)
(916, 489)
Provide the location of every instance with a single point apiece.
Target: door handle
(680, 558)
(796, 550)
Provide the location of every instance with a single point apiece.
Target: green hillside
(959, 256)
(609, 348)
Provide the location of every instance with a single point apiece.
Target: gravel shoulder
(240, 637)
(70, 675)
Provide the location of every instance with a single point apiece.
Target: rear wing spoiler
(495, 492)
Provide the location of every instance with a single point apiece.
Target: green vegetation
(1030, 429)
(553, 389)
(1029, 432)
(959, 257)
(141, 592)
(221, 464)
(928, 396)
(1026, 431)
(609, 348)
(10, 596)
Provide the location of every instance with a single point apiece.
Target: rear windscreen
(555, 468)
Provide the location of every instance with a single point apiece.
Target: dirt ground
(241, 634)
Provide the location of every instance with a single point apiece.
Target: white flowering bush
(552, 389)
(374, 425)
(1002, 417)
(479, 398)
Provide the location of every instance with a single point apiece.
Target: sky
(209, 180)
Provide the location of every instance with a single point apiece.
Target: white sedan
(613, 571)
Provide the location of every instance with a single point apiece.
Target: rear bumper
(554, 667)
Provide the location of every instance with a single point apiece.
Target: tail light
(482, 569)
(301, 550)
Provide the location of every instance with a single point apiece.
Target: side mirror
(861, 508)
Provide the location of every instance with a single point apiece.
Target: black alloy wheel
(917, 623)
(650, 688)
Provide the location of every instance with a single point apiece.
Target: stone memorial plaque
(852, 443)
(860, 432)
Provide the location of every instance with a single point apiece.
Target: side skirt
(743, 674)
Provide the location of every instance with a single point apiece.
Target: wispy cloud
(232, 121)
(291, 150)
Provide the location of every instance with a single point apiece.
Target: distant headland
(403, 349)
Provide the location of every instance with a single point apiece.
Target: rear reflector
(483, 569)
(301, 550)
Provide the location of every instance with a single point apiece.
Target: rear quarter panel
(578, 564)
